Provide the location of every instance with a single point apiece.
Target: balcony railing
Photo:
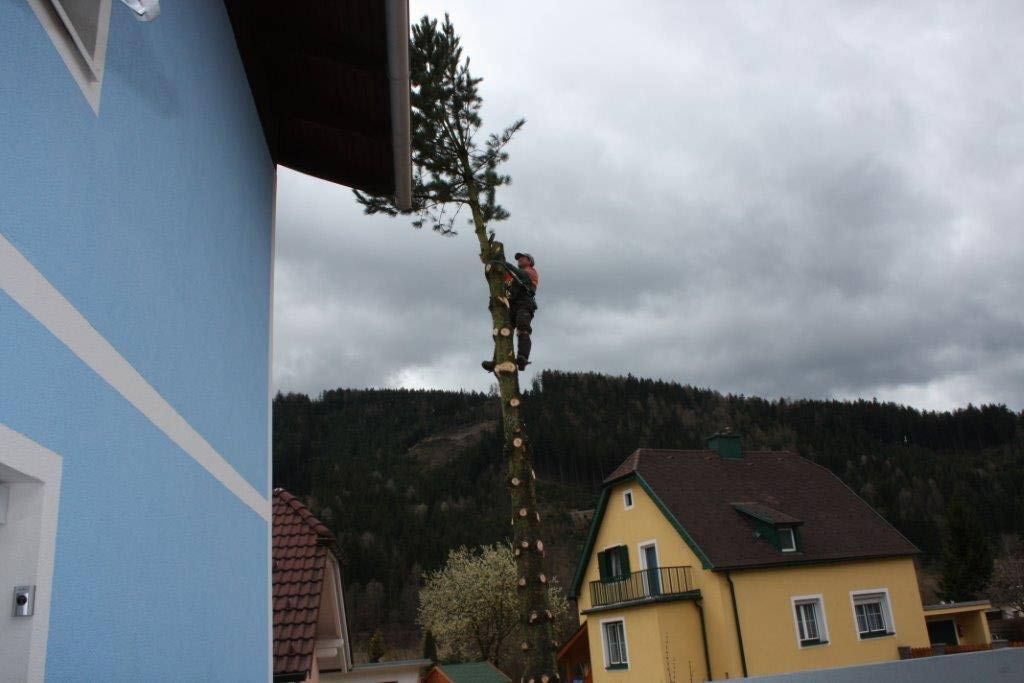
(647, 583)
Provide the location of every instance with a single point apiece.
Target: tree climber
(520, 289)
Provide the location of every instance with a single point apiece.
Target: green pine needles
(452, 168)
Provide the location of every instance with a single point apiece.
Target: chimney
(726, 444)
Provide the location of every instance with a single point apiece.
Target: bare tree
(1006, 588)
(454, 169)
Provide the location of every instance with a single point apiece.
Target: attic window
(787, 540)
(78, 29)
(774, 526)
(627, 499)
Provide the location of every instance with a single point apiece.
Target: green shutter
(602, 565)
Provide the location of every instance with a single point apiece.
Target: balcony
(645, 585)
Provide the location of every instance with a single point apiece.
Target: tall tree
(453, 169)
(966, 555)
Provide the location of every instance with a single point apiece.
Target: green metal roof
(474, 672)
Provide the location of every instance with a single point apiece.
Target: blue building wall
(153, 220)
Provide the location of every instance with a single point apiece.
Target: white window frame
(643, 563)
(628, 499)
(604, 643)
(88, 76)
(819, 613)
(40, 466)
(792, 536)
(643, 557)
(865, 596)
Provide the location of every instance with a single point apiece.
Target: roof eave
(397, 12)
(579, 634)
(290, 677)
(311, 125)
(788, 562)
(588, 545)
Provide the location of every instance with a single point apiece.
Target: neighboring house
(719, 564)
(574, 658)
(137, 182)
(311, 637)
(472, 672)
(958, 623)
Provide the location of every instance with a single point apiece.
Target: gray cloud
(783, 200)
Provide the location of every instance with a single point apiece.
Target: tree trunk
(538, 647)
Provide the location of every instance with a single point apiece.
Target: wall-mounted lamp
(144, 10)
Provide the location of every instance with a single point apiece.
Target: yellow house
(715, 564)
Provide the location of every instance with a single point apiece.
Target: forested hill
(403, 476)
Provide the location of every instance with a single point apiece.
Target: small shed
(958, 623)
(472, 672)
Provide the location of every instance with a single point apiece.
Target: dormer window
(787, 540)
(627, 499)
(771, 525)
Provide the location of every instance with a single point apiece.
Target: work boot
(525, 344)
(488, 365)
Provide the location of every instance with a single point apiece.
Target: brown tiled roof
(700, 490)
(300, 546)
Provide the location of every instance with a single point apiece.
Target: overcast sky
(777, 199)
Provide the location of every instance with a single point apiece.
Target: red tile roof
(300, 546)
(701, 489)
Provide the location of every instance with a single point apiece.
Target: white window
(872, 613)
(627, 499)
(614, 637)
(787, 541)
(78, 29)
(617, 563)
(809, 613)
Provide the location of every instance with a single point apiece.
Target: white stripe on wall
(35, 294)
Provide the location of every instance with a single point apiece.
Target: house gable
(645, 503)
